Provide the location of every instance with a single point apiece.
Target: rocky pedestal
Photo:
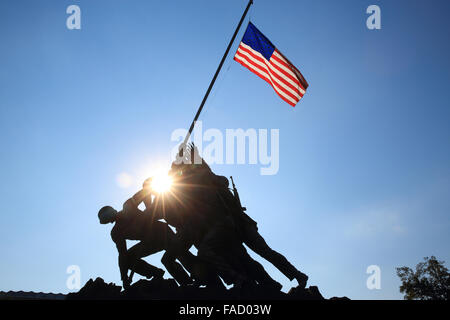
(167, 289)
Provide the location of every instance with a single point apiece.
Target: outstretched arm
(148, 197)
(151, 207)
(135, 201)
(144, 195)
(140, 196)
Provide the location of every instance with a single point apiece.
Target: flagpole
(215, 75)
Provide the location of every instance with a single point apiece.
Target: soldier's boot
(270, 283)
(176, 270)
(257, 271)
(241, 282)
(205, 274)
(282, 264)
(302, 279)
(274, 285)
(145, 269)
(210, 281)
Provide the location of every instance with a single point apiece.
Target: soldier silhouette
(133, 224)
(218, 242)
(246, 226)
(252, 238)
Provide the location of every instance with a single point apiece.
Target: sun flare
(161, 182)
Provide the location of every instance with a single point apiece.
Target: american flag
(260, 56)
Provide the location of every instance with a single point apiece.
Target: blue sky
(364, 157)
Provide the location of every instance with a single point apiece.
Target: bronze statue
(133, 224)
(247, 228)
(205, 214)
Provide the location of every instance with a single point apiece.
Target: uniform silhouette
(252, 238)
(246, 226)
(216, 235)
(133, 224)
(178, 210)
(205, 214)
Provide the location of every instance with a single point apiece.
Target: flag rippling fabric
(261, 57)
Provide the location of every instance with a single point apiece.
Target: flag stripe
(262, 74)
(261, 63)
(279, 66)
(286, 77)
(281, 76)
(248, 66)
(263, 69)
(297, 72)
(252, 69)
(295, 92)
(285, 67)
(260, 56)
(275, 82)
(265, 76)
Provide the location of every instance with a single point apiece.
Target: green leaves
(430, 281)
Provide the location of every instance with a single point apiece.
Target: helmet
(107, 214)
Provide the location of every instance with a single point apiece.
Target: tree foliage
(430, 281)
